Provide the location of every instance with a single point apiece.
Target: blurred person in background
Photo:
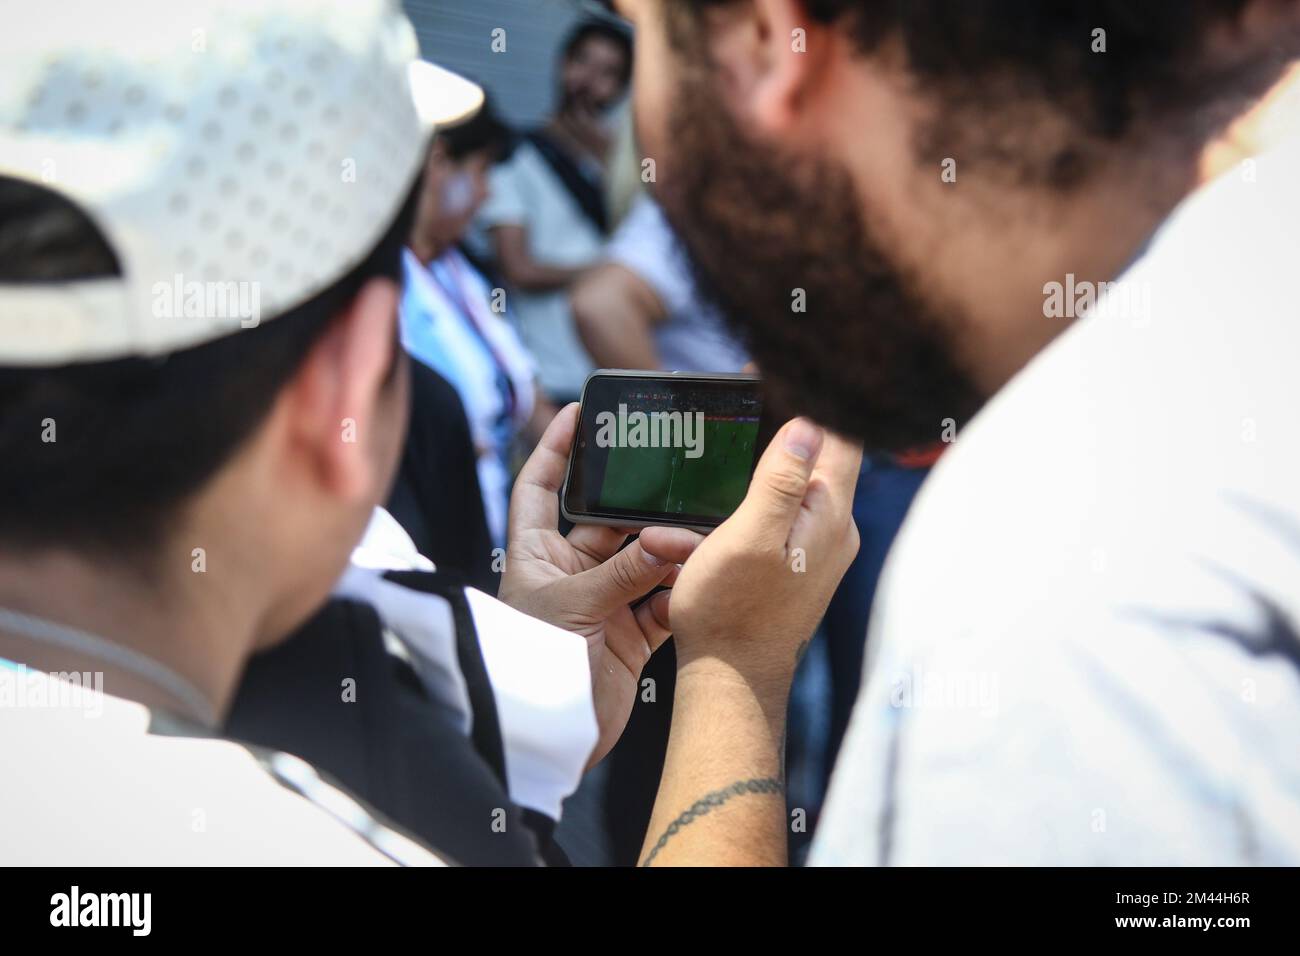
(639, 308)
(436, 496)
(546, 215)
(452, 318)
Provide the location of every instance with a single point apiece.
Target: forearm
(721, 799)
(533, 276)
(521, 269)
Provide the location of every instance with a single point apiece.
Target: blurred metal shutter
(458, 35)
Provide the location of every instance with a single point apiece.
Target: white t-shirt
(96, 780)
(693, 337)
(90, 785)
(1084, 650)
(524, 191)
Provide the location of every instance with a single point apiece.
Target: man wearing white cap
(201, 402)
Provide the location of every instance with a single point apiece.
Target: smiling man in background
(546, 214)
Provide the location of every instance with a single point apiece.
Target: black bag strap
(485, 723)
(585, 193)
(394, 746)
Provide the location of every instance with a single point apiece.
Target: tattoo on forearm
(708, 802)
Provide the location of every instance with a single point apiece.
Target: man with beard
(1084, 647)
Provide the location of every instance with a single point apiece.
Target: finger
(535, 502)
(825, 529)
(652, 618)
(597, 543)
(617, 582)
(816, 526)
(777, 489)
(840, 463)
(839, 467)
(673, 545)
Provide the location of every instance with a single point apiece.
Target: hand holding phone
(753, 591)
(655, 448)
(587, 582)
(743, 607)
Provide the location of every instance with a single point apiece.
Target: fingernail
(652, 560)
(803, 439)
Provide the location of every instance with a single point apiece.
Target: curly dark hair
(1151, 58)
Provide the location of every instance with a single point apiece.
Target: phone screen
(664, 448)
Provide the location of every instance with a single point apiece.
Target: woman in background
(454, 320)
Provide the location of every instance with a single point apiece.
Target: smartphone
(664, 448)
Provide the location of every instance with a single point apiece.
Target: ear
(774, 53)
(437, 150)
(341, 397)
(435, 164)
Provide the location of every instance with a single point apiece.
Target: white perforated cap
(238, 155)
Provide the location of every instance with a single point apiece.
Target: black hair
(483, 131)
(598, 27)
(1150, 58)
(134, 438)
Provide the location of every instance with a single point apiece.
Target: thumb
(780, 481)
(614, 583)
